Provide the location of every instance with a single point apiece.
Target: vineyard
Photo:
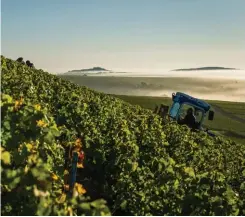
(133, 163)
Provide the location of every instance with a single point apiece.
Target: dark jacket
(190, 120)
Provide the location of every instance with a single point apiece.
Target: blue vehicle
(181, 103)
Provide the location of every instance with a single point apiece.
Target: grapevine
(129, 162)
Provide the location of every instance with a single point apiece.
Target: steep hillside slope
(132, 160)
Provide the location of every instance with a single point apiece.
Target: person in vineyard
(190, 119)
(28, 63)
(21, 60)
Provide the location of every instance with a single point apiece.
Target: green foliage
(132, 160)
(31, 156)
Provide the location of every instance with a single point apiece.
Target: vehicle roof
(184, 98)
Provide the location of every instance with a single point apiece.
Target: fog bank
(211, 88)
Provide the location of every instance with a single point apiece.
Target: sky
(124, 35)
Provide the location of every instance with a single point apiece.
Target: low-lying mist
(212, 89)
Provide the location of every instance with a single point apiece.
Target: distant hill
(205, 68)
(89, 70)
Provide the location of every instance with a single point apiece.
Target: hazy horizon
(204, 88)
(139, 36)
(211, 74)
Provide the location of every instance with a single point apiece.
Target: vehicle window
(183, 112)
(198, 114)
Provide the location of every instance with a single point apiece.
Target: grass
(241, 116)
(234, 108)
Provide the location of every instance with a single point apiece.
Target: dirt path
(223, 112)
